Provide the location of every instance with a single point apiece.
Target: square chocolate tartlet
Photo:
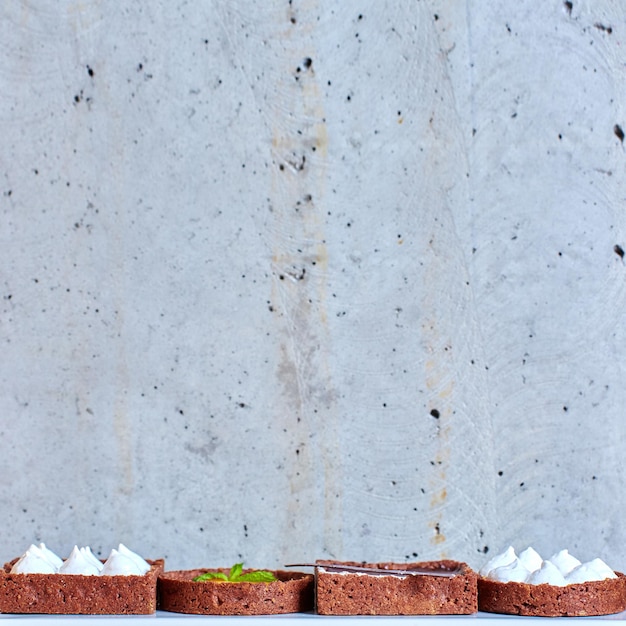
(341, 592)
(77, 594)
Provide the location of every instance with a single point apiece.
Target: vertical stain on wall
(299, 267)
(441, 387)
(119, 286)
(84, 16)
(123, 431)
(120, 380)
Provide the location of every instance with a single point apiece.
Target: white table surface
(166, 618)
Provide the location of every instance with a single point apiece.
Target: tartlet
(78, 594)
(561, 586)
(598, 597)
(292, 592)
(357, 593)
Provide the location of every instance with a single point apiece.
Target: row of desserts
(528, 567)
(508, 583)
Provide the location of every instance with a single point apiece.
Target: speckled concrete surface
(282, 281)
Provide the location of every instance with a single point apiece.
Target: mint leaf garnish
(210, 576)
(235, 572)
(258, 576)
(236, 575)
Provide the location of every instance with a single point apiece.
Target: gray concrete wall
(301, 279)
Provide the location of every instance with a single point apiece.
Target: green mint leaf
(210, 576)
(236, 575)
(258, 576)
(235, 572)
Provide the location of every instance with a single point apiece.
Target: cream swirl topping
(81, 561)
(560, 570)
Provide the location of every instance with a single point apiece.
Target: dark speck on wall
(607, 29)
(435, 413)
(568, 7)
(618, 250)
(619, 133)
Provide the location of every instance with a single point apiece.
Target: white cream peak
(33, 561)
(548, 574)
(77, 563)
(505, 558)
(54, 558)
(513, 572)
(592, 570)
(564, 561)
(530, 559)
(119, 564)
(143, 565)
(90, 557)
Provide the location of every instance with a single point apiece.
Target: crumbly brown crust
(600, 597)
(291, 593)
(76, 594)
(349, 593)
